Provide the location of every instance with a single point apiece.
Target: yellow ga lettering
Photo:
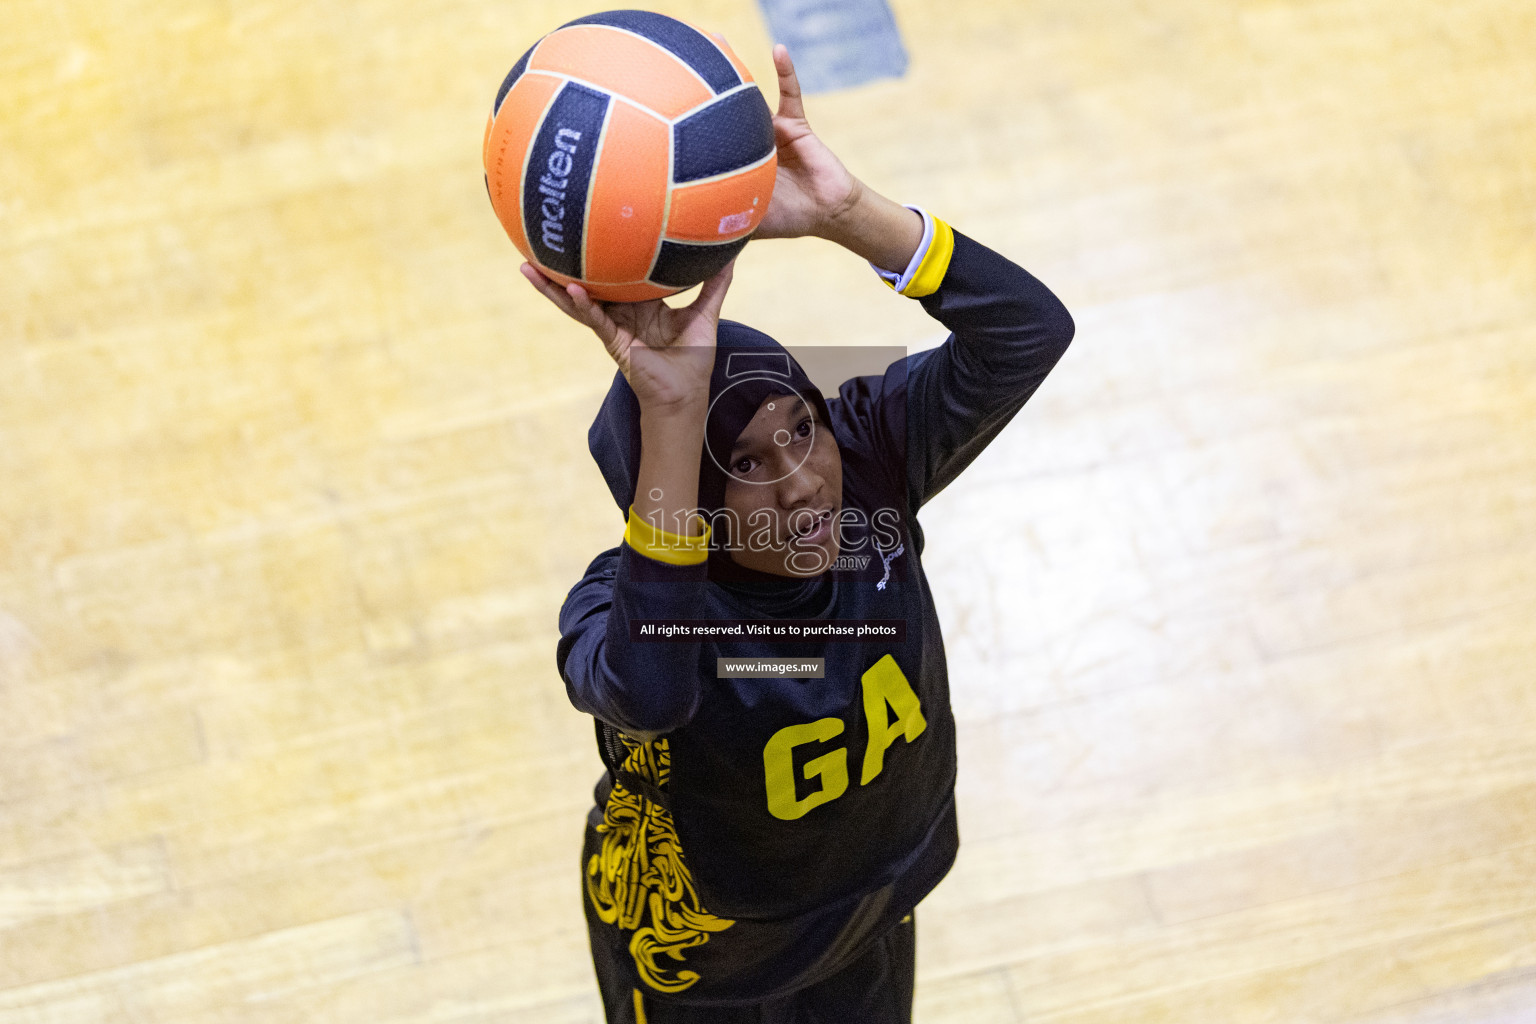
(885, 686)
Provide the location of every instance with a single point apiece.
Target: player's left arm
(938, 409)
(815, 195)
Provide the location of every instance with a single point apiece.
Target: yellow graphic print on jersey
(638, 881)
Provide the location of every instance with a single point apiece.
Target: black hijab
(749, 367)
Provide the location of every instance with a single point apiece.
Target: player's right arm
(646, 687)
(642, 688)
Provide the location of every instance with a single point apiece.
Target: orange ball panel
(741, 69)
(628, 198)
(637, 292)
(730, 55)
(721, 209)
(559, 279)
(506, 149)
(634, 291)
(622, 64)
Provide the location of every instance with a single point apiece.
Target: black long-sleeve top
(814, 813)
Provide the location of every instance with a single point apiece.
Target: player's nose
(799, 488)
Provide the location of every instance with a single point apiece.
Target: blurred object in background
(838, 44)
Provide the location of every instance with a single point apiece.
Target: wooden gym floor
(1241, 611)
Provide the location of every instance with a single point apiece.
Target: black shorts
(874, 989)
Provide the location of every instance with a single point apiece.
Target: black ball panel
(682, 265)
(730, 133)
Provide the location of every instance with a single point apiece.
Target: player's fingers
(790, 102)
(592, 314)
(551, 291)
(712, 295)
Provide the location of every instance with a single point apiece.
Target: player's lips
(815, 529)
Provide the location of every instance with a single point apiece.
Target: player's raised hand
(812, 187)
(665, 353)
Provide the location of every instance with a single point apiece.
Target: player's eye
(804, 428)
(742, 467)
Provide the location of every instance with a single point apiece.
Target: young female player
(758, 845)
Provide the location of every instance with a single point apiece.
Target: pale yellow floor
(1241, 612)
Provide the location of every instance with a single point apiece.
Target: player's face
(785, 489)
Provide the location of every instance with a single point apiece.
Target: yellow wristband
(925, 273)
(930, 272)
(671, 548)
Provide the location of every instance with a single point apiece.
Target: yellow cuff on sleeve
(671, 548)
(925, 273)
(930, 272)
